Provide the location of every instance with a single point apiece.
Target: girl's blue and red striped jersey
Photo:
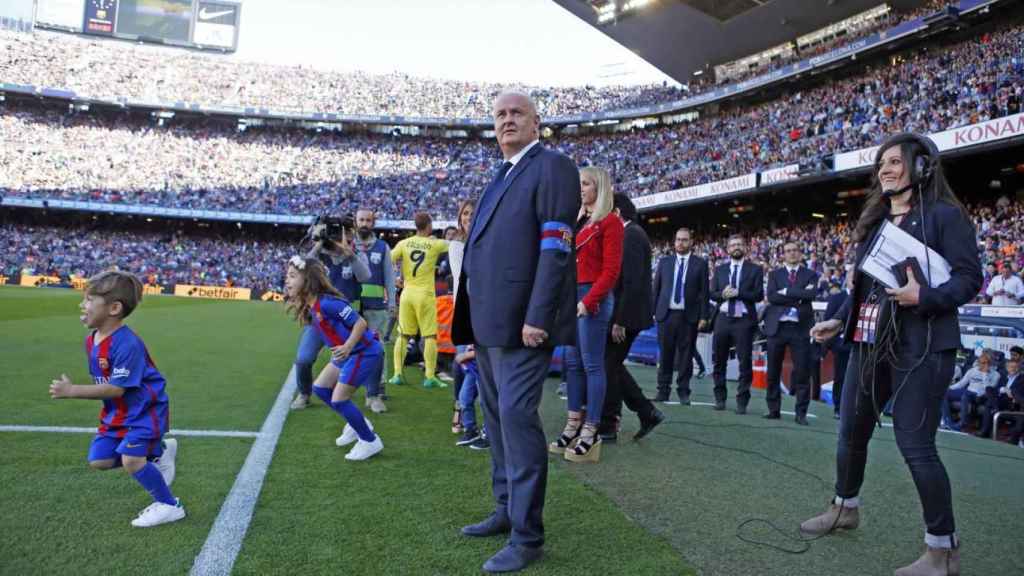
(122, 360)
(334, 319)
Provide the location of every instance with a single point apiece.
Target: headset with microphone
(923, 165)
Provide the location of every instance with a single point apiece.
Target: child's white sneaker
(159, 513)
(166, 462)
(364, 450)
(348, 435)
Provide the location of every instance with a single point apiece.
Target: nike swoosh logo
(204, 15)
(134, 445)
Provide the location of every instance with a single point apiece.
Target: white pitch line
(222, 545)
(92, 430)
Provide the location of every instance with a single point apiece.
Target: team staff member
(378, 291)
(738, 286)
(417, 311)
(910, 359)
(787, 323)
(680, 296)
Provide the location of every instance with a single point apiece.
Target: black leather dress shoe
(493, 525)
(772, 416)
(741, 410)
(609, 437)
(684, 399)
(661, 397)
(647, 425)
(719, 405)
(801, 419)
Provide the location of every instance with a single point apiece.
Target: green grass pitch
(668, 505)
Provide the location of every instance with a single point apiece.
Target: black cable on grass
(805, 543)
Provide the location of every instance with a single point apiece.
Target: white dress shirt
(791, 314)
(741, 308)
(672, 304)
(519, 156)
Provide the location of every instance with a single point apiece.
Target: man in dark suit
(1000, 397)
(839, 346)
(738, 286)
(516, 301)
(631, 316)
(680, 291)
(787, 323)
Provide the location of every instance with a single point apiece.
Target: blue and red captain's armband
(556, 236)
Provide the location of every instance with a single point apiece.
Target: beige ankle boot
(934, 562)
(835, 518)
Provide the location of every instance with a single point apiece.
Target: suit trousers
(622, 387)
(789, 334)
(511, 382)
(677, 339)
(729, 332)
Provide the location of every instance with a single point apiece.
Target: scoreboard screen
(162, 19)
(204, 24)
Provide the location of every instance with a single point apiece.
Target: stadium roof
(680, 37)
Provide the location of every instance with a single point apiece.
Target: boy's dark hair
(117, 286)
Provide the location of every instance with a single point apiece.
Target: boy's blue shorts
(108, 447)
(360, 369)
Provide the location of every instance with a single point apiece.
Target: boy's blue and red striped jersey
(334, 319)
(122, 360)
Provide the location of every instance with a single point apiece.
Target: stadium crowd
(841, 38)
(160, 258)
(254, 260)
(104, 69)
(203, 165)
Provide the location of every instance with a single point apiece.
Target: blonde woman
(598, 258)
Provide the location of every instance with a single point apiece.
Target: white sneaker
(364, 450)
(166, 462)
(159, 513)
(348, 435)
(300, 402)
(377, 405)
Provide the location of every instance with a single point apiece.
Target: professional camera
(329, 229)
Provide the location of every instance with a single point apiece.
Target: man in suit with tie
(787, 323)
(516, 301)
(1001, 396)
(680, 294)
(738, 286)
(631, 316)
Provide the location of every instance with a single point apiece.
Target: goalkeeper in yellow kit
(417, 310)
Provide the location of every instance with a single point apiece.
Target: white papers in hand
(891, 246)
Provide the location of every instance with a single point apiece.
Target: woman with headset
(904, 343)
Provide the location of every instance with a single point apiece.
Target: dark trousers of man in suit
(994, 402)
(517, 438)
(677, 340)
(789, 334)
(738, 332)
(622, 387)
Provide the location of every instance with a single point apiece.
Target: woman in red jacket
(598, 259)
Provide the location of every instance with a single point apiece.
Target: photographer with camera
(332, 239)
